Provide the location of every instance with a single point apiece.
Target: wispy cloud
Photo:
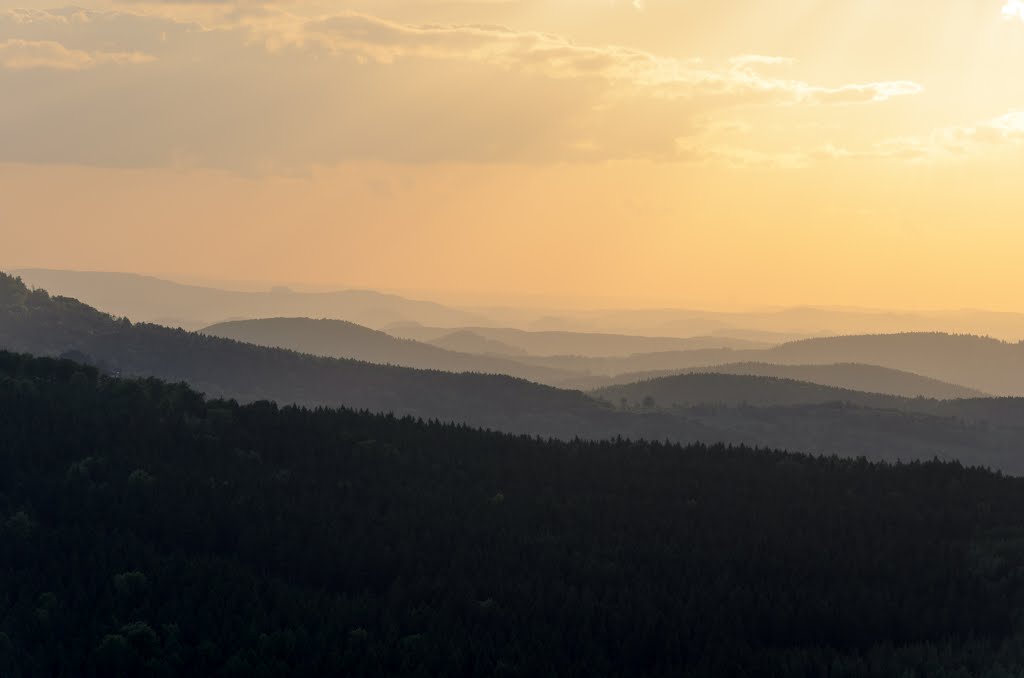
(555, 56)
(276, 92)
(21, 55)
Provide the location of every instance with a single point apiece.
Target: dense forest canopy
(148, 531)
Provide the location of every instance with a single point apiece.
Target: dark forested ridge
(148, 531)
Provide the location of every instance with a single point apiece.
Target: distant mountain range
(144, 298)
(785, 324)
(586, 344)
(191, 306)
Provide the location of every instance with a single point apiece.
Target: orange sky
(600, 152)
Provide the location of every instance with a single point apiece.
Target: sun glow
(1014, 9)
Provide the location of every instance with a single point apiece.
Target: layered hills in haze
(32, 321)
(483, 353)
(979, 363)
(341, 339)
(976, 431)
(149, 299)
(587, 344)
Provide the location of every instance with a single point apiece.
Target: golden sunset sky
(600, 152)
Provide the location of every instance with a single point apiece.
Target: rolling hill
(468, 341)
(982, 363)
(851, 376)
(979, 363)
(341, 339)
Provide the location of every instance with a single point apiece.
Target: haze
(599, 153)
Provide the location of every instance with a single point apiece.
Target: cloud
(274, 92)
(555, 56)
(20, 55)
(1005, 130)
(857, 94)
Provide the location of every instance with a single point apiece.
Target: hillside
(826, 420)
(698, 391)
(341, 339)
(468, 341)
(149, 299)
(699, 388)
(148, 531)
(850, 376)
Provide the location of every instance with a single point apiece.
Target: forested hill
(34, 322)
(147, 531)
(739, 392)
(341, 339)
(850, 376)
(739, 389)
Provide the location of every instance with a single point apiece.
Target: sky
(690, 153)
